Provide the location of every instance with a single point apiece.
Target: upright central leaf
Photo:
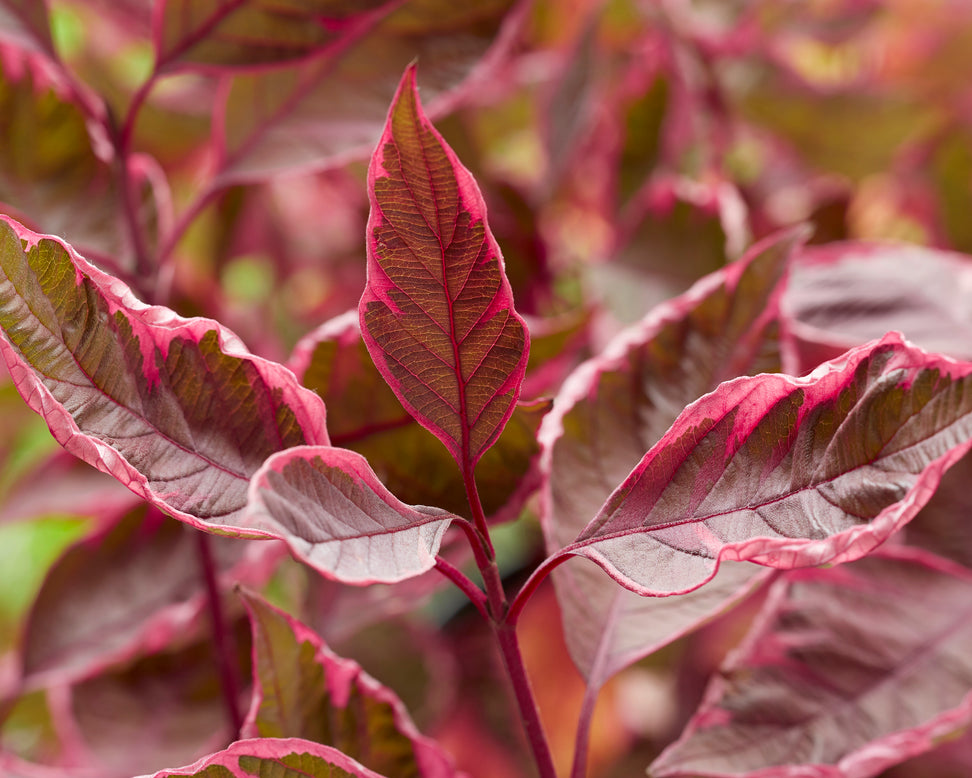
(437, 312)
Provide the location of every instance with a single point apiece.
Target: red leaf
(437, 313)
(335, 514)
(176, 409)
(848, 671)
(787, 472)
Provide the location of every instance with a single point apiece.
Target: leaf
(273, 758)
(844, 294)
(27, 550)
(330, 107)
(302, 689)
(133, 587)
(613, 409)
(338, 517)
(163, 708)
(53, 173)
(848, 671)
(787, 472)
(26, 24)
(437, 312)
(227, 33)
(176, 409)
(365, 416)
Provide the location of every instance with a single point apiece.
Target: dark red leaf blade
(787, 472)
(847, 671)
(329, 107)
(334, 513)
(437, 312)
(303, 689)
(176, 409)
(365, 415)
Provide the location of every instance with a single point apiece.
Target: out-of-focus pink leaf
(273, 758)
(331, 106)
(437, 312)
(229, 33)
(365, 416)
(62, 484)
(59, 176)
(176, 409)
(159, 709)
(845, 294)
(787, 472)
(302, 689)
(848, 671)
(14, 767)
(338, 517)
(939, 526)
(131, 588)
(616, 407)
(677, 231)
(25, 23)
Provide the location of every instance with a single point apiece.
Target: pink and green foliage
(661, 336)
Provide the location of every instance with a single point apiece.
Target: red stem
(473, 592)
(222, 640)
(505, 631)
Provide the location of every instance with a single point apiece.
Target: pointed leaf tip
(437, 312)
(332, 510)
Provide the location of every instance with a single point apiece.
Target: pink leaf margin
(864, 762)
(349, 558)
(342, 675)
(762, 392)
(274, 751)
(378, 284)
(156, 327)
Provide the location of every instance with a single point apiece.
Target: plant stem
(473, 592)
(525, 700)
(222, 640)
(146, 269)
(505, 631)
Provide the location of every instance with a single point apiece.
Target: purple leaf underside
(787, 472)
(847, 672)
(176, 409)
(613, 409)
(338, 517)
(437, 313)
